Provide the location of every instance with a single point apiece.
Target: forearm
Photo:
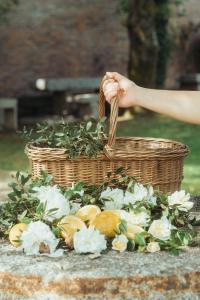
(181, 105)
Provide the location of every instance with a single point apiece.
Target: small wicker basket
(158, 162)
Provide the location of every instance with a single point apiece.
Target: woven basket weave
(158, 162)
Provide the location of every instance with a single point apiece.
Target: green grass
(12, 155)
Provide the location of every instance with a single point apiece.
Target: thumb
(114, 75)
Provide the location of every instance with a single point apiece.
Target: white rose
(161, 229)
(150, 197)
(89, 240)
(129, 198)
(114, 197)
(181, 200)
(120, 243)
(153, 247)
(131, 228)
(38, 235)
(124, 215)
(52, 198)
(141, 218)
(140, 192)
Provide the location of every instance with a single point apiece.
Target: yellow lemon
(69, 225)
(15, 234)
(88, 212)
(106, 222)
(132, 230)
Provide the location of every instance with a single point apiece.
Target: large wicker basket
(158, 162)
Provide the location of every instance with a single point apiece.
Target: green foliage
(21, 205)
(85, 138)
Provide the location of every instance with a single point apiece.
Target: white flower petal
(89, 240)
(114, 197)
(120, 243)
(161, 229)
(181, 200)
(37, 233)
(140, 192)
(153, 247)
(141, 219)
(129, 198)
(52, 197)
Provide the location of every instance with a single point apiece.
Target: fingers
(110, 89)
(114, 75)
(106, 82)
(110, 95)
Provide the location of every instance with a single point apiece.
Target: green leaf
(141, 248)
(119, 170)
(22, 216)
(17, 175)
(12, 196)
(122, 227)
(140, 240)
(174, 251)
(131, 245)
(26, 220)
(24, 179)
(56, 231)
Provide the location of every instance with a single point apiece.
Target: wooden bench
(66, 90)
(9, 113)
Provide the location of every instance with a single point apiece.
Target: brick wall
(72, 38)
(60, 38)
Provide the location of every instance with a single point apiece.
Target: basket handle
(109, 147)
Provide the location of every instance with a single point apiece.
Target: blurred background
(54, 53)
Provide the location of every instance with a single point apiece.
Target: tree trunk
(143, 42)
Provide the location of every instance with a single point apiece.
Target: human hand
(117, 85)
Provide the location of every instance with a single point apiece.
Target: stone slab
(116, 276)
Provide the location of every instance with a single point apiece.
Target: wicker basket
(158, 162)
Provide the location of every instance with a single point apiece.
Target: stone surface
(118, 276)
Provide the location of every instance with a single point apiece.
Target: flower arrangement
(121, 214)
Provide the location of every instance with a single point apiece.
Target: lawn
(12, 155)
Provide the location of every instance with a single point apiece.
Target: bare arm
(181, 105)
